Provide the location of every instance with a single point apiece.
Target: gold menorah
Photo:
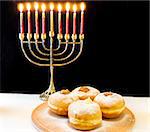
(55, 55)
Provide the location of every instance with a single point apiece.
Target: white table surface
(16, 109)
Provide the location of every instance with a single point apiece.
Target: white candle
(51, 17)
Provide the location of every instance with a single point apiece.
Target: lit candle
(59, 19)
(67, 17)
(82, 18)
(36, 6)
(51, 17)
(21, 18)
(43, 18)
(29, 19)
(74, 18)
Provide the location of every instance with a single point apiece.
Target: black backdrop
(115, 55)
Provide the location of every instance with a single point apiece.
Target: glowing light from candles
(67, 6)
(59, 7)
(74, 7)
(28, 6)
(43, 7)
(82, 6)
(36, 6)
(21, 7)
(51, 6)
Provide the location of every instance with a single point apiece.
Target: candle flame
(28, 6)
(36, 6)
(43, 7)
(67, 6)
(51, 6)
(82, 6)
(59, 7)
(21, 7)
(74, 7)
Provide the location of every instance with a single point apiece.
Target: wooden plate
(44, 120)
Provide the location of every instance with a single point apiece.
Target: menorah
(55, 54)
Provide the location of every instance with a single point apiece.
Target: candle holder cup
(55, 55)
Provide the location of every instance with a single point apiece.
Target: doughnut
(111, 104)
(84, 114)
(58, 102)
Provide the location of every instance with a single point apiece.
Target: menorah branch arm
(37, 48)
(70, 43)
(61, 53)
(58, 47)
(31, 51)
(79, 53)
(36, 44)
(59, 37)
(45, 48)
(39, 42)
(32, 42)
(62, 59)
(33, 62)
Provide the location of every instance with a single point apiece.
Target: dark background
(115, 55)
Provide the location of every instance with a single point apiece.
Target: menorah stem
(44, 96)
(52, 87)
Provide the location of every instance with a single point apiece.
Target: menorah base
(45, 95)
